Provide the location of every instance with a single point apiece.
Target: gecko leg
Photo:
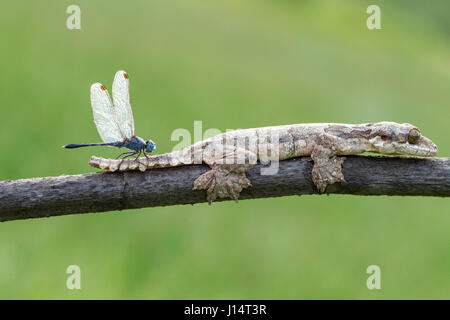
(327, 166)
(227, 178)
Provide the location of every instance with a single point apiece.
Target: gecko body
(231, 154)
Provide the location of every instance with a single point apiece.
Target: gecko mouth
(417, 150)
(422, 147)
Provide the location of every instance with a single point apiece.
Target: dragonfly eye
(150, 146)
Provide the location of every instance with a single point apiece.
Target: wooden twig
(100, 192)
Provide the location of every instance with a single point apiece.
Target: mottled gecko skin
(232, 153)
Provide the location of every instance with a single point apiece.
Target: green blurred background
(232, 64)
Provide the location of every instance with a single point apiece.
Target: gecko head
(150, 146)
(400, 138)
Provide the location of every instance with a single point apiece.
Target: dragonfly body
(135, 143)
(115, 122)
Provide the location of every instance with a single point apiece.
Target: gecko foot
(327, 172)
(223, 181)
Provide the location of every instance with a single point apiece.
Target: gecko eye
(384, 137)
(413, 136)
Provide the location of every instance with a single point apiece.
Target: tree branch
(105, 191)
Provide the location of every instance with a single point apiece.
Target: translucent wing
(104, 115)
(121, 98)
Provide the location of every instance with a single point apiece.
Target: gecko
(231, 154)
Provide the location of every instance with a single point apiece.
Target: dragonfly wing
(121, 98)
(104, 115)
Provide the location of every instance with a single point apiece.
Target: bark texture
(105, 191)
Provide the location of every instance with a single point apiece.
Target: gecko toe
(327, 173)
(222, 182)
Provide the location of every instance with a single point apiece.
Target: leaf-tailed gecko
(231, 154)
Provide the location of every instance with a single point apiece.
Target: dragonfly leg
(138, 154)
(129, 155)
(145, 154)
(123, 153)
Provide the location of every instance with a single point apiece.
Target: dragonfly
(114, 121)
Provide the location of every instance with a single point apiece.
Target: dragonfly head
(150, 146)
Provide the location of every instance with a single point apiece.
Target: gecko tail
(142, 164)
